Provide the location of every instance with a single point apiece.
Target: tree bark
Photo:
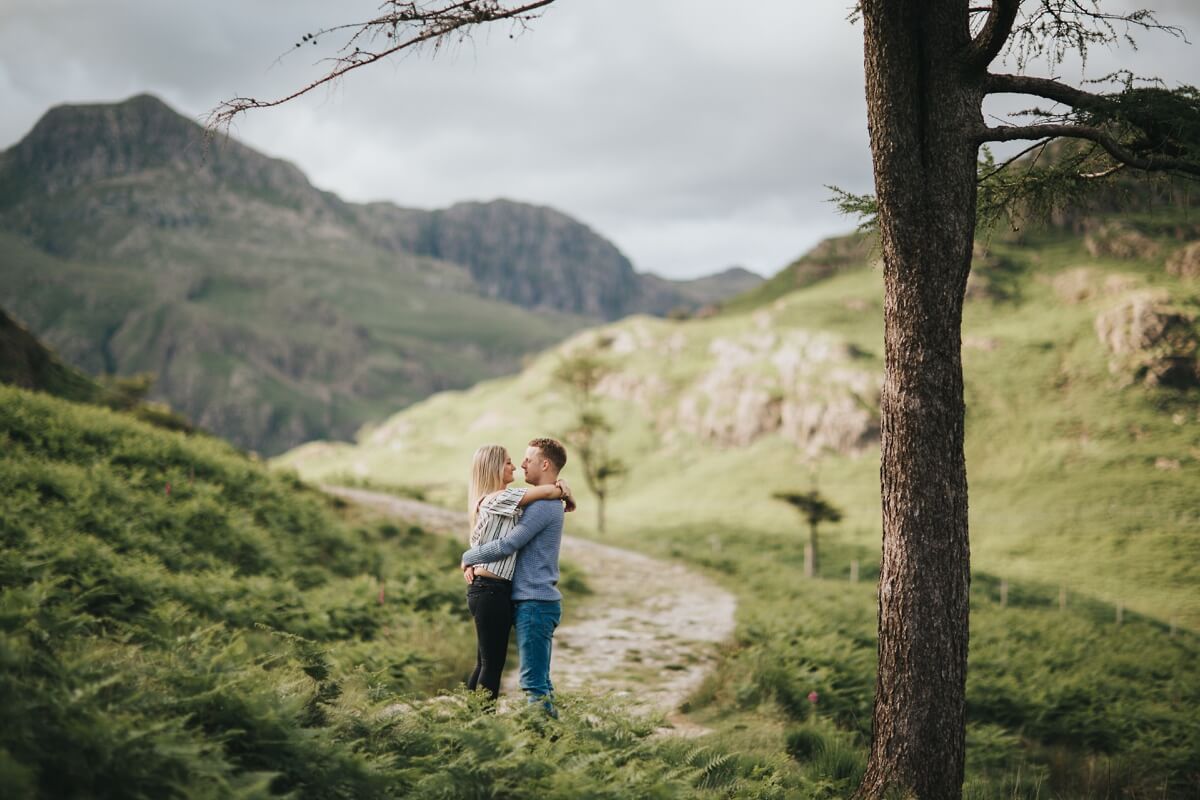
(923, 106)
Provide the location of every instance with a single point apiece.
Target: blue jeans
(535, 621)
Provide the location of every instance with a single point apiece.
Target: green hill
(176, 621)
(1083, 449)
(26, 363)
(1083, 465)
(828, 258)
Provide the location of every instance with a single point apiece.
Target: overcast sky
(695, 134)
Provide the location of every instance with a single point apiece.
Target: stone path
(648, 632)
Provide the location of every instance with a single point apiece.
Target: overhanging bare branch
(404, 26)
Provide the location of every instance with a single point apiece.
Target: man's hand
(468, 573)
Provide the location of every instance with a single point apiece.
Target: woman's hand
(567, 497)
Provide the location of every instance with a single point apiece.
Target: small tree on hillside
(815, 509)
(589, 435)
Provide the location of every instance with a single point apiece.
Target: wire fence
(1006, 593)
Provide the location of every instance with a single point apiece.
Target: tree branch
(1008, 163)
(1044, 88)
(990, 41)
(1169, 121)
(427, 24)
(1150, 163)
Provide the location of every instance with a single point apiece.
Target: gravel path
(648, 632)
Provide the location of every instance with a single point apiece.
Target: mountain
(711, 290)
(541, 258)
(272, 312)
(1083, 441)
(533, 256)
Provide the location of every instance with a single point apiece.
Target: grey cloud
(691, 135)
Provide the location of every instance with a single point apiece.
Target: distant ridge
(829, 257)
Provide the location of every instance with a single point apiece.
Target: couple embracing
(512, 566)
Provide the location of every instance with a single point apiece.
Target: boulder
(1119, 240)
(803, 386)
(1151, 341)
(1185, 262)
(1081, 284)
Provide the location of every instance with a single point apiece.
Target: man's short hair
(553, 450)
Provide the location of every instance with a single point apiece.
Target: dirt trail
(648, 632)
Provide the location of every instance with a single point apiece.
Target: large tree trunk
(923, 109)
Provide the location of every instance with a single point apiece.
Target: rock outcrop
(804, 386)
(1119, 240)
(1083, 284)
(1185, 262)
(533, 256)
(1151, 341)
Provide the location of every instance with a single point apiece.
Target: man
(537, 603)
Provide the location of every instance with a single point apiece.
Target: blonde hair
(487, 476)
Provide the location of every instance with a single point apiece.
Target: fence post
(1062, 598)
(1003, 593)
(854, 570)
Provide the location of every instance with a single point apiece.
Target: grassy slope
(1061, 460)
(25, 362)
(227, 638)
(1064, 492)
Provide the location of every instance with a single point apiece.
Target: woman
(494, 509)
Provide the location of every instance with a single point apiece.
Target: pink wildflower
(813, 697)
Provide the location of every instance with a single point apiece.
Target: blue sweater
(538, 537)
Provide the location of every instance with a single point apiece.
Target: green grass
(1061, 457)
(1062, 704)
(1065, 496)
(228, 638)
(159, 643)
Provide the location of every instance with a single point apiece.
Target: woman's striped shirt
(498, 513)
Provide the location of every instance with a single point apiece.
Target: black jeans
(490, 603)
